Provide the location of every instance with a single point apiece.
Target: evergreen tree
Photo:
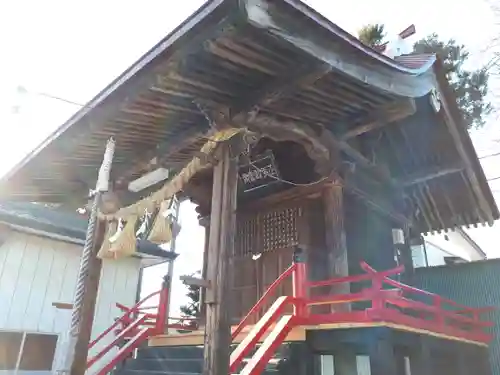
(372, 35)
(470, 86)
(192, 308)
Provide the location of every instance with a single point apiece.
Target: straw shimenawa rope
(175, 184)
(161, 232)
(125, 243)
(105, 250)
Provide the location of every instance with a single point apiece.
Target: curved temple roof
(288, 61)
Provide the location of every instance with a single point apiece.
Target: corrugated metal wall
(474, 284)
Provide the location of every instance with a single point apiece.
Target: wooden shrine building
(337, 150)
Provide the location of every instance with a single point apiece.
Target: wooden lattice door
(264, 246)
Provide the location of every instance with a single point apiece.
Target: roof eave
(465, 147)
(140, 75)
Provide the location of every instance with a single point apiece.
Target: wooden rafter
(353, 182)
(428, 174)
(452, 121)
(413, 197)
(281, 87)
(381, 117)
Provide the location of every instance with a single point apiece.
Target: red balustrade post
(299, 280)
(161, 319)
(477, 320)
(439, 318)
(378, 302)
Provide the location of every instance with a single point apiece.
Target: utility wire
(58, 98)
(23, 91)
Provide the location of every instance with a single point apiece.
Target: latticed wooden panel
(269, 230)
(280, 229)
(247, 236)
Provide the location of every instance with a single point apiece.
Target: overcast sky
(73, 49)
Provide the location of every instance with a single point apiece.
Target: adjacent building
(446, 248)
(40, 252)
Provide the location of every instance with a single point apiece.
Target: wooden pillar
(336, 247)
(421, 359)
(345, 363)
(219, 260)
(382, 358)
(79, 364)
(205, 222)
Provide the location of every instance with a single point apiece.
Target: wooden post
(167, 281)
(382, 357)
(202, 318)
(336, 247)
(421, 359)
(219, 259)
(79, 364)
(82, 317)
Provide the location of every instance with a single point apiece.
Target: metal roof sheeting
(420, 61)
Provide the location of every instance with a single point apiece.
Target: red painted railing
(402, 305)
(265, 298)
(391, 306)
(133, 327)
(426, 312)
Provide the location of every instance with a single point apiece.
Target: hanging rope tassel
(105, 250)
(126, 243)
(161, 232)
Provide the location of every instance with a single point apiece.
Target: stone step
(183, 365)
(171, 352)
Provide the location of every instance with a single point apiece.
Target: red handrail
(136, 327)
(354, 278)
(122, 318)
(411, 289)
(417, 305)
(439, 313)
(113, 342)
(260, 302)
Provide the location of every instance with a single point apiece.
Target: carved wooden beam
(357, 156)
(381, 117)
(293, 131)
(429, 174)
(364, 188)
(321, 145)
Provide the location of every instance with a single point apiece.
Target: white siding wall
(454, 244)
(36, 271)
